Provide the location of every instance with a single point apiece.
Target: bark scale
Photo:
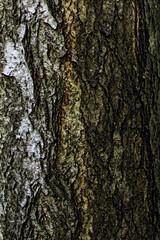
(79, 126)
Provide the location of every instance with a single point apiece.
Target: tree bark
(79, 120)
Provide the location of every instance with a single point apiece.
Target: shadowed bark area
(79, 120)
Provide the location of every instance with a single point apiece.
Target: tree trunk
(79, 120)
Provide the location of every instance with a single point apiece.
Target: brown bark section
(72, 130)
(116, 120)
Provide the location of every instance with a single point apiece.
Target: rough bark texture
(79, 119)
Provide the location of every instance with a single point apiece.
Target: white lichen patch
(3, 203)
(33, 142)
(21, 31)
(24, 128)
(25, 161)
(38, 10)
(16, 66)
(46, 16)
(1, 236)
(30, 142)
(29, 8)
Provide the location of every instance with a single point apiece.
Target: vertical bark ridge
(73, 150)
(120, 149)
(134, 29)
(152, 77)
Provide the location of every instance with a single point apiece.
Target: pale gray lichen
(24, 128)
(29, 8)
(27, 153)
(3, 203)
(30, 139)
(21, 31)
(16, 66)
(46, 15)
(1, 236)
(32, 142)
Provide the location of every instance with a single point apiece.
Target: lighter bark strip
(71, 120)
